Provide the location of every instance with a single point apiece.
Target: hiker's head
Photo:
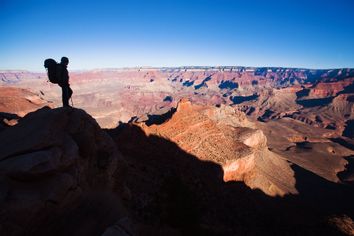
(64, 61)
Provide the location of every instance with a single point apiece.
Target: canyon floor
(178, 151)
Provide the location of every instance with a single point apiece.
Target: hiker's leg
(70, 92)
(65, 95)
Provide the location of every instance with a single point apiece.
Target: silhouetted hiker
(64, 81)
(58, 74)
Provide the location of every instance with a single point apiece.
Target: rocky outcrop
(329, 89)
(49, 162)
(221, 135)
(19, 101)
(196, 172)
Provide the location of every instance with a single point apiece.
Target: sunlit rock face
(16, 103)
(206, 151)
(225, 137)
(19, 101)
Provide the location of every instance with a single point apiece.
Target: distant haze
(111, 34)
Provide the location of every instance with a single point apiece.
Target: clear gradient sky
(107, 34)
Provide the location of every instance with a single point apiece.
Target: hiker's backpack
(53, 70)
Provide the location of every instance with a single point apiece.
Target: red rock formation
(220, 135)
(19, 101)
(329, 89)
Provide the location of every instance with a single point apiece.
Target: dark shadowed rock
(48, 162)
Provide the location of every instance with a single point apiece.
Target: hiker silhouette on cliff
(64, 81)
(58, 74)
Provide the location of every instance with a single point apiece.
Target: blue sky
(106, 34)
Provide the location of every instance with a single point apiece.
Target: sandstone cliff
(224, 136)
(15, 103)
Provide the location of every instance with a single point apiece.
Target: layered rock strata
(223, 136)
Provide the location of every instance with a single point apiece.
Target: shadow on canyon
(171, 188)
(167, 191)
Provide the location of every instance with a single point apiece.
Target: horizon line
(179, 67)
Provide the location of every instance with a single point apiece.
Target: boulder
(48, 162)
